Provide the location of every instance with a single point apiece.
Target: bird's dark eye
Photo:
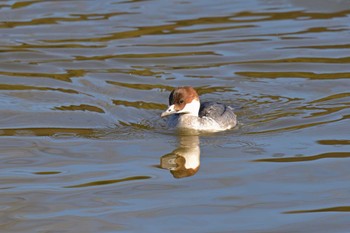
(182, 101)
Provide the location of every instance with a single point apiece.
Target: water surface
(82, 86)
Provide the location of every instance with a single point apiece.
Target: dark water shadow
(330, 209)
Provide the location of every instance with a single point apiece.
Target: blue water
(83, 147)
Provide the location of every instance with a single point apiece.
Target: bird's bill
(169, 111)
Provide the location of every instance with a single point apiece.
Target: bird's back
(220, 113)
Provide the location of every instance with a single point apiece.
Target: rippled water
(83, 148)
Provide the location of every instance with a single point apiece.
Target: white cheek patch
(191, 108)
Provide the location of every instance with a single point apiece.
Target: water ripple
(107, 182)
(329, 155)
(83, 84)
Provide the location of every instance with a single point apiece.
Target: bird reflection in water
(184, 161)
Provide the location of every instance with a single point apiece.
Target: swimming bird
(186, 111)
